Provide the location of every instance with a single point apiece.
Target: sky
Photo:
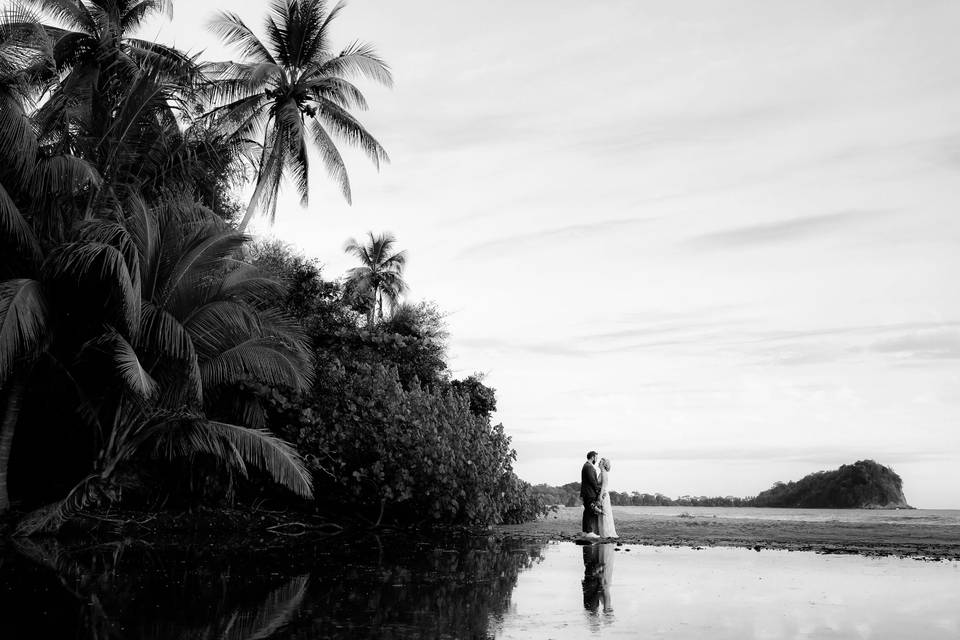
(715, 241)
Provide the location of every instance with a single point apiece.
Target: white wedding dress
(607, 528)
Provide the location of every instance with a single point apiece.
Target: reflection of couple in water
(594, 491)
(597, 576)
(597, 523)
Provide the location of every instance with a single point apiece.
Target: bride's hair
(605, 464)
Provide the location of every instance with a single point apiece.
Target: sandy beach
(695, 528)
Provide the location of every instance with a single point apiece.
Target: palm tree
(292, 90)
(27, 177)
(380, 274)
(176, 322)
(93, 58)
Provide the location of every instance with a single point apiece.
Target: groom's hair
(591, 454)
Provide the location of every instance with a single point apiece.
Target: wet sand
(918, 540)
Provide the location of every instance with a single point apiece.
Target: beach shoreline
(913, 540)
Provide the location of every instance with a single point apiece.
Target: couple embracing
(597, 512)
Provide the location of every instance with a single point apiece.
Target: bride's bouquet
(597, 507)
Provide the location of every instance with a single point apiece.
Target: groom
(590, 493)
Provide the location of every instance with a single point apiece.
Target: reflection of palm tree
(380, 274)
(257, 622)
(263, 620)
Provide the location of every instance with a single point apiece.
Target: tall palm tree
(291, 91)
(380, 274)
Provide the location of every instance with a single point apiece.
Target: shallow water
(467, 588)
(866, 516)
(666, 592)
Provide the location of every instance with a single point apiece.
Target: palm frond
(270, 615)
(220, 324)
(18, 142)
(332, 160)
(62, 174)
(265, 360)
(80, 260)
(289, 118)
(345, 126)
(128, 366)
(234, 445)
(340, 91)
(134, 15)
(205, 251)
(162, 334)
(24, 322)
(116, 235)
(229, 27)
(246, 283)
(15, 227)
(170, 60)
(269, 453)
(359, 60)
(70, 13)
(234, 82)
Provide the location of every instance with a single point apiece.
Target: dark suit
(589, 493)
(592, 581)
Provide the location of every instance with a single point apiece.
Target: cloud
(508, 346)
(567, 233)
(823, 457)
(940, 343)
(623, 137)
(783, 231)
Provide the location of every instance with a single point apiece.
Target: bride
(607, 528)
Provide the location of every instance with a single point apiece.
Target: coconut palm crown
(292, 91)
(380, 274)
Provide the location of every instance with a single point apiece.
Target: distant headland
(865, 484)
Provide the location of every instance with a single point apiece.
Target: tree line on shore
(863, 484)
(569, 495)
(152, 354)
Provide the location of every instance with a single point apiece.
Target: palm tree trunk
(372, 317)
(14, 397)
(252, 207)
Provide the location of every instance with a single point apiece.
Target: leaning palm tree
(380, 274)
(293, 90)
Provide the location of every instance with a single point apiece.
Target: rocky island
(864, 484)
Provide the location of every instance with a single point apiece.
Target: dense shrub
(413, 456)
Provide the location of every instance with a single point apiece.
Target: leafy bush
(413, 456)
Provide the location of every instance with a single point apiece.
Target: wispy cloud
(937, 343)
(820, 457)
(568, 233)
(784, 231)
(517, 347)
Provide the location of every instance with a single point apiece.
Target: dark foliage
(384, 430)
(569, 495)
